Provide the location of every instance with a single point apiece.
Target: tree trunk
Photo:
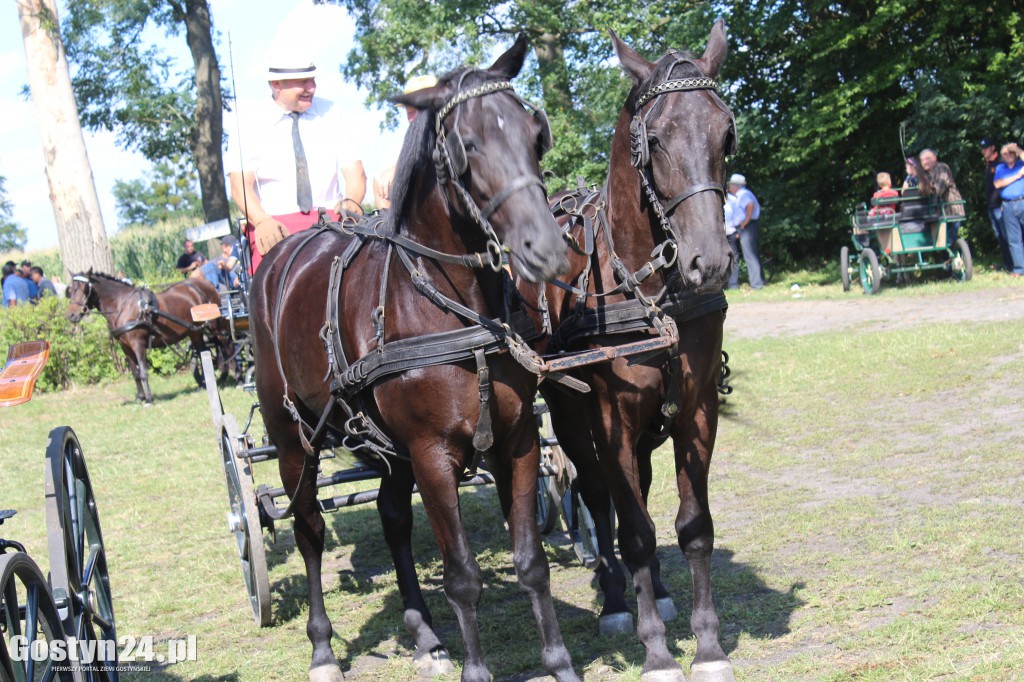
(553, 72)
(209, 111)
(76, 207)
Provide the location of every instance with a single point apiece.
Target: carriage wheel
(78, 560)
(551, 454)
(962, 266)
(244, 522)
(27, 610)
(870, 276)
(844, 267)
(581, 527)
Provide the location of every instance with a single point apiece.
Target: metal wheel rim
(245, 524)
(29, 608)
(78, 563)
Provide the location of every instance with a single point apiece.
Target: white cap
(287, 61)
(419, 83)
(737, 179)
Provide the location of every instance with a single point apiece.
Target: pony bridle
(451, 163)
(88, 292)
(641, 157)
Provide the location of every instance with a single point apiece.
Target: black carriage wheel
(244, 523)
(27, 610)
(870, 275)
(581, 527)
(78, 560)
(844, 267)
(964, 269)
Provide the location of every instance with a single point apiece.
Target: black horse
(407, 317)
(140, 319)
(649, 268)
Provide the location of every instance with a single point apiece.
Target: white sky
(327, 29)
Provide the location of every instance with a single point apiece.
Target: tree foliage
(12, 237)
(821, 90)
(570, 75)
(170, 193)
(132, 88)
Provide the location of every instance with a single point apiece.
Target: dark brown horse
(140, 319)
(406, 317)
(652, 260)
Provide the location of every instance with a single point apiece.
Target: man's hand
(268, 232)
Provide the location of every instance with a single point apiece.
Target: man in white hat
(382, 183)
(748, 210)
(291, 157)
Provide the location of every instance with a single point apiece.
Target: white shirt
(733, 216)
(266, 142)
(744, 198)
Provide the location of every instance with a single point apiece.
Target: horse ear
(427, 98)
(510, 63)
(632, 63)
(714, 53)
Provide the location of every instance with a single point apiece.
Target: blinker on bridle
(640, 154)
(451, 163)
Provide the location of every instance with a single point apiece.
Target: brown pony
(651, 262)
(361, 330)
(140, 319)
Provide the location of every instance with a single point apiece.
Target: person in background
(748, 227)
(911, 181)
(298, 157)
(44, 286)
(732, 213)
(1009, 180)
(382, 183)
(26, 274)
(220, 272)
(885, 191)
(995, 201)
(190, 261)
(15, 287)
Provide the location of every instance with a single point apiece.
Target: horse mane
(110, 278)
(418, 148)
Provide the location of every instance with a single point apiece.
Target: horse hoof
(712, 671)
(326, 673)
(663, 676)
(145, 404)
(667, 609)
(434, 663)
(616, 624)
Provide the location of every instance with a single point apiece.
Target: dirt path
(794, 318)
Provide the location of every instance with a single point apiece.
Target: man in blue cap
(995, 202)
(1009, 180)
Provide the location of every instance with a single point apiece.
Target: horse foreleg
(644, 450)
(527, 553)
(694, 441)
(309, 538)
(142, 378)
(573, 431)
(439, 489)
(394, 505)
(133, 365)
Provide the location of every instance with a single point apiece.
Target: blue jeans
(214, 275)
(748, 238)
(1013, 220)
(995, 216)
(734, 276)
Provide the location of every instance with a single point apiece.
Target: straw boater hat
(419, 83)
(289, 61)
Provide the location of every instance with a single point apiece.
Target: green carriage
(905, 235)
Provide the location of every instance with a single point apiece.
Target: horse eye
(470, 146)
(653, 143)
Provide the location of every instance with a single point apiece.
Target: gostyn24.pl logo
(128, 649)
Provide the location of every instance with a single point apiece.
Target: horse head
(82, 296)
(680, 131)
(488, 142)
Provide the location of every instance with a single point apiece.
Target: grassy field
(865, 490)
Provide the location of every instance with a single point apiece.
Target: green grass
(866, 498)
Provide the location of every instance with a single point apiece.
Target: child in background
(885, 191)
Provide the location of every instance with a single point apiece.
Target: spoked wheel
(78, 560)
(29, 623)
(547, 486)
(844, 267)
(870, 275)
(581, 527)
(244, 522)
(962, 267)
